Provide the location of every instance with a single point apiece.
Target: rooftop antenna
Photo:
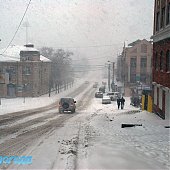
(26, 25)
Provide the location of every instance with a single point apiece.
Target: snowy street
(92, 138)
(85, 84)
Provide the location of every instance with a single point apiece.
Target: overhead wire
(17, 28)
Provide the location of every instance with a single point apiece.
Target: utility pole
(113, 65)
(109, 75)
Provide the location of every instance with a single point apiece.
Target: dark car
(99, 94)
(67, 104)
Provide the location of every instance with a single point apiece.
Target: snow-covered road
(93, 138)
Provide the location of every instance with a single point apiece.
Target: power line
(90, 46)
(90, 58)
(17, 28)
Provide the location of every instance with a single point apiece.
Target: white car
(113, 95)
(106, 100)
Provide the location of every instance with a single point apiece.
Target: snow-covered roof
(12, 54)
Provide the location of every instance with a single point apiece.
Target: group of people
(120, 102)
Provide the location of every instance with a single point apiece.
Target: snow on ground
(94, 139)
(19, 104)
(113, 147)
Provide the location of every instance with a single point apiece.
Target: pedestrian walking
(122, 101)
(118, 102)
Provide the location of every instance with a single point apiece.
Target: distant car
(86, 82)
(94, 85)
(99, 94)
(106, 100)
(113, 95)
(67, 104)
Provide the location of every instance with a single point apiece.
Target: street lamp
(113, 65)
(24, 88)
(108, 75)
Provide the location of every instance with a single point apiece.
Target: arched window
(168, 60)
(161, 60)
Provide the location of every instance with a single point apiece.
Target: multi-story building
(135, 62)
(24, 72)
(161, 58)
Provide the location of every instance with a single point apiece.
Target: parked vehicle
(135, 100)
(99, 94)
(106, 100)
(113, 95)
(67, 104)
(95, 85)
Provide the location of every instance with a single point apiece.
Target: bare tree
(62, 71)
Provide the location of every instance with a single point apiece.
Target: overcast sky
(95, 28)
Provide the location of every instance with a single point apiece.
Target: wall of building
(26, 83)
(167, 105)
(161, 44)
(137, 52)
(161, 76)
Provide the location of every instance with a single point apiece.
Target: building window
(133, 70)
(161, 60)
(168, 61)
(168, 14)
(143, 78)
(11, 70)
(133, 62)
(27, 70)
(157, 21)
(143, 63)
(163, 17)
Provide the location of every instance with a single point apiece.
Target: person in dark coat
(118, 102)
(122, 101)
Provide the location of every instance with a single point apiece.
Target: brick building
(161, 59)
(24, 72)
(134, 65)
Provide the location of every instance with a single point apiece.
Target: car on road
(87, 82)
(67, 104)
(94, 85)
(113, 95)
(106, 100)
(99, 94)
